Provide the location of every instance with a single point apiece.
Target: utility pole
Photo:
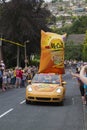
(25, 50)
(18, 54)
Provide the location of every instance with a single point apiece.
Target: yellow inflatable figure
(52, 53)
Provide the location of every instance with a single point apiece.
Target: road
(16, 115)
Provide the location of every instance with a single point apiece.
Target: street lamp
(25, 51)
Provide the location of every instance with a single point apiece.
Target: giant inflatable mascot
(52, 53)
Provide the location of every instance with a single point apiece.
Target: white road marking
(5, 113)
(22, 102)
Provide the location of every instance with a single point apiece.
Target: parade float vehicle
(45, 88)
(48, 85)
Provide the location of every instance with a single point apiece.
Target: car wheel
(61, 103)
(28, 102)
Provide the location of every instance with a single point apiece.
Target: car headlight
(29, 88)
(58, 90)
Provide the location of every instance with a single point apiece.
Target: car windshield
(46, 78)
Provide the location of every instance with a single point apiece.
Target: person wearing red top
(18, 77)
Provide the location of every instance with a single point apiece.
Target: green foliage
(36, 60)
(23, 20)
(53, 1)
(73, 51)
(84, 52)
(79, 25)
(86, 1)
(60, 8)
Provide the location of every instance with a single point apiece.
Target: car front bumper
(44, 97)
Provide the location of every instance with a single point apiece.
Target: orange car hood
(44, 87)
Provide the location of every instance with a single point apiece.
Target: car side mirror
(64, 83)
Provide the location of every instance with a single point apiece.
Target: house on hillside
(76, 38)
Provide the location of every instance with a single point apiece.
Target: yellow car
(45, 88)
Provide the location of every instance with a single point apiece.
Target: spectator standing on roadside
(83, 76)
(18, 77)
(12, 77)
(24, 78)
(2, 65)
(81, 84)
(5, 81)
(1, 76)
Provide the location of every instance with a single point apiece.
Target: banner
(52, 53)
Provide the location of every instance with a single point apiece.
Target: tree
(23, 20)
(73, 51)
(86, 1)
(85, 48)
(79, 25)
(53, 1)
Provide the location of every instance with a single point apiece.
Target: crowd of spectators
(17, 77)
(72, 63)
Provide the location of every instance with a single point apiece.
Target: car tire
(61, 103)
(28, 102)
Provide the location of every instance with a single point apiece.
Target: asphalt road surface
(16, 115)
